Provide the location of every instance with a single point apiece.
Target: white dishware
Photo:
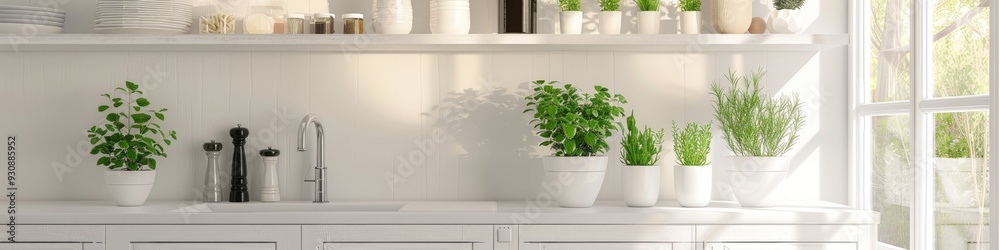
(450, 17)
(144, 30)
(32, 8)
(143, 16)
(37, 22)
(20, 28)
(40, 18)
(31, 13)
(392, 16)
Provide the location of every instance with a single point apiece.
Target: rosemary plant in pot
(570, 17)
(128, 141)
(576, 126)
(690, 16)
(784, 19)
(640, 153)
(649, 16)
(693, 172)
(610, 17)
(760, 131)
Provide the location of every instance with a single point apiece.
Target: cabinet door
(203, 246)
(397, 246)
(41, 246)
(603, 246)
(781, 246)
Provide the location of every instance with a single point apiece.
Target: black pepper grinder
(238, 192)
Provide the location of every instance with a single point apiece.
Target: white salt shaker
(269, 190)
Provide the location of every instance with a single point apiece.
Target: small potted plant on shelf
(610, 17)
(760, 131)
(784, 19)
(690, 16)
(576, 126)
(649, 16)
(693, 172)
(571, 18)
(128, 140)
(731, 16)
(640, 153)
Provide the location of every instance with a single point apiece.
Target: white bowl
(32, 8)
(139, 30)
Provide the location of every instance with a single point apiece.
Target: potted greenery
(128, 140)
(960, 158)
(576, 126)
(570, 17)
(784, 18)
(690, 16)
(760, 131)
(610, 17)
(693, 172)
(640, 153)
(731, 16)
(649, 16)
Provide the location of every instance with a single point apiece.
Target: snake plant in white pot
(760, 131)
(640, 153)
(693, 172)
(576, 126)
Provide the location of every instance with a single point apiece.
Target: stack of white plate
(392, 16)
(450, 17)
(143, 16)
(17, 19)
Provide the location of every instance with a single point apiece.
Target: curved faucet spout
(320, 181)
(304, 126)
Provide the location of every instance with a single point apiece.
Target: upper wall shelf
(425, 42)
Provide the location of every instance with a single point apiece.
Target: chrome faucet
(320, 195)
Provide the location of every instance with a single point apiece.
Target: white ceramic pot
(579, 179)
(784, 22)
(757, 181)
(649, 22)
(129, 188)
(571, 22)
(955, 181)
(691, 22)
(693, 185)
(731, 16)
(611, 22)
(641, 185)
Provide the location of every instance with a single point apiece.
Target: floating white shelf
(424, 42)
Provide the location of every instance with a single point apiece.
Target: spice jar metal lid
(270, 152)
(354, 15)
(212, 146)
(297, 16)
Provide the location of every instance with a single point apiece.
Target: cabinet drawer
(204, 237)
(41, 246)
(600, 246)
(781, 246)
(605, 234)
(397, 246)
(781, 233)
(203, 246)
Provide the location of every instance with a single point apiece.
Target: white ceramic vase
(129, 188)
(392, 16)
(693, 185)
(641, 185)
(691, 22)
(580, 178)
(649, 22)
(731, 16)
(611, 22)
(954, 178)
(758, 181)
(784, 22)
(571, 22)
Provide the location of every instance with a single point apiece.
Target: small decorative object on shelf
(517, 16)
(570, 17)
(128, 141)
(217, 24)
(213, 184)
(760, 131)
(641, 175)
(262, 17)
(295, 23)
(269, 191)
(238, 191)
(757, 26)
(731, 16)
(784, 19)
(690, 16)
(354, 23)
(649, 16)
(392, 16)
(450, 17)
(323, 23)
(693, 172)
(610, 17)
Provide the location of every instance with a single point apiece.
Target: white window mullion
(994, 133)
(860, 192)
(922, 212)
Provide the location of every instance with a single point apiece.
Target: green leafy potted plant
(128, 140)
(760, 131)
(690, 16)
(693, 172)
(576, 126)
(641, 175)
(570, 17)
(610, 17)
(649, 16)
(784, 19)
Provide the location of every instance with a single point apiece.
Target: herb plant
(610, 5)
(571, 123)
(788, 4)
(569, 5)
(648, 5)
(692, 144)
(129, 137)
(690, 5)
(641, 147)
(752, 123)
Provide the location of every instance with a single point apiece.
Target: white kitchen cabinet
(203, 246)
(57, 237)
(781, 246)
(397, 237)
(41, 246)
(600, 246)
(615, 237)
(397, 246)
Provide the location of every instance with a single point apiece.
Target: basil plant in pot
(570, 17)
(610, 17)
(640, 153)
(693, 172)
(576, 126)
(128, 141)
(760, 131)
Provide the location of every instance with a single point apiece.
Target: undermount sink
(304, 207)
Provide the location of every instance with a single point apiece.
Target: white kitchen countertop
(604, 212)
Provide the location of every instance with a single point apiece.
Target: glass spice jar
(354, 23)
(295, 23)
(322, 23)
